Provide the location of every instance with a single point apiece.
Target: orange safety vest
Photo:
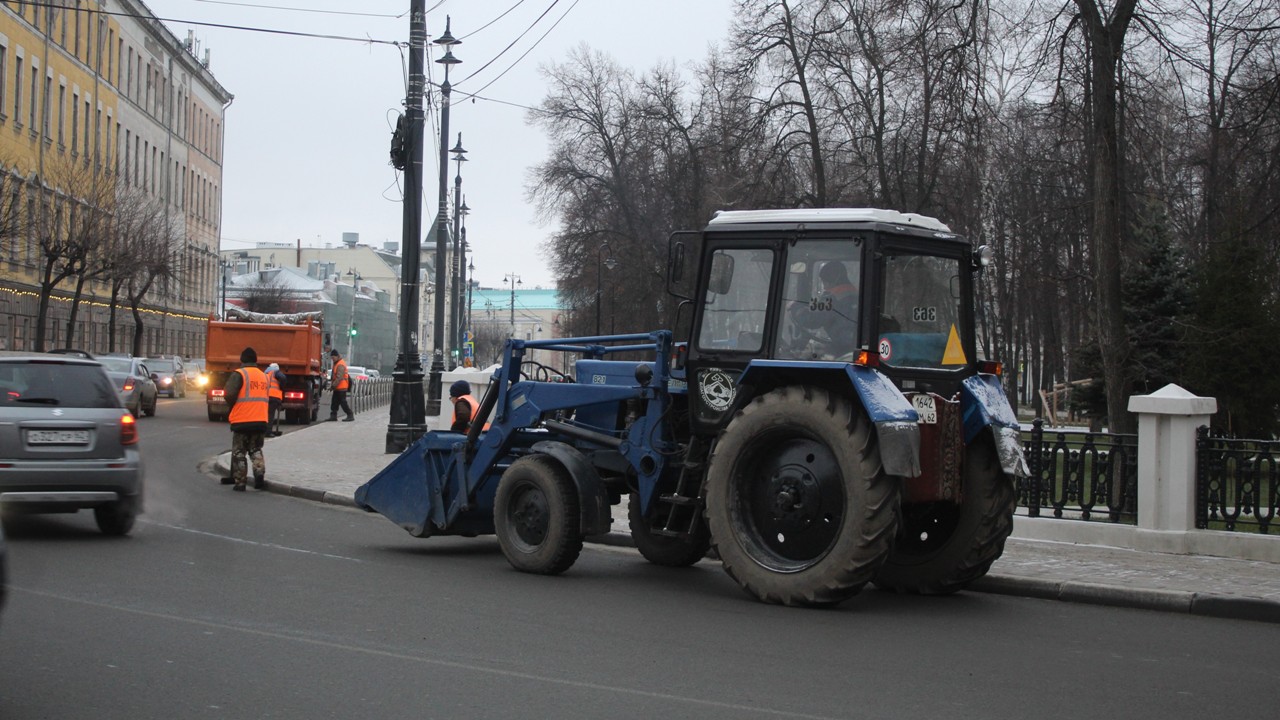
(473, 404)
(251, 403)
(343, 381)
(273, 387)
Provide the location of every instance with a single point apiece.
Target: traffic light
(353, 330)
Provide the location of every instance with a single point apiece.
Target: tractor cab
(819, 289)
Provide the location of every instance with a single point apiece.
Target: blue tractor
(822, 420)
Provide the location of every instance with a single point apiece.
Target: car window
(54, 383)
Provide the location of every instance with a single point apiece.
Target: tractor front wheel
(800, 509)
(535, 515)
(942, 547)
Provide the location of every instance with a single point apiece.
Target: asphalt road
(257, 605)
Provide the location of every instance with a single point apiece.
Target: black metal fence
(1080, 475)
(1237, 483)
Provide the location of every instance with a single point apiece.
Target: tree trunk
(1106, 43)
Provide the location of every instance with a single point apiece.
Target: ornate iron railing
(371, 393)
(1237, 483)
(1080, 475)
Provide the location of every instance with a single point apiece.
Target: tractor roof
(827, 215)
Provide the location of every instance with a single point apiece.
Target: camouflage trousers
(250, 444)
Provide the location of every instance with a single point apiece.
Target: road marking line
(273, 546)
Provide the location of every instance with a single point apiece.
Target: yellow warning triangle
(954, 354)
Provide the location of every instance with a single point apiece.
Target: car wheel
(116, 518)
(150, 410)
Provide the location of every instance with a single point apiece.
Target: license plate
(926, 408)
(57, 437)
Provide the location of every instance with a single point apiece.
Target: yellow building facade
(111, 130)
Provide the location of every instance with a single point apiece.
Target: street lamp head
(610, 263)
(464, 209)
(457, 148)
(447, 38)
(448, 58)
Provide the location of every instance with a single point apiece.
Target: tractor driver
(834, 311)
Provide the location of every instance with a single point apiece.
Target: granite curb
(1204, 604)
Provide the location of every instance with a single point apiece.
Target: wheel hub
(530, 517)
(794, 499)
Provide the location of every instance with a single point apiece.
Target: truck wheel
(662, 550)
(943, 547)
(800, 509)
(535, 514)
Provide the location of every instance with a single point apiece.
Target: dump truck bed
(295, 348)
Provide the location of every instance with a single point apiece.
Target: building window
(35, 98)
(4, 68)
(17, 93)
(48, 120)
(62, 117)
(85, 129)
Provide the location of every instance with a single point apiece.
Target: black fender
(593, 500)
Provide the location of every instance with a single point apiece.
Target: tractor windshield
(736, 301)
(921, 323)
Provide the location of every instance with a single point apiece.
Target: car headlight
(167, 381)
(202, 380)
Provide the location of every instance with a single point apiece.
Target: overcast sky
(308, 135)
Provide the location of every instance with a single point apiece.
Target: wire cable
(482, 27)
(531, 48)
(298, 9)
(513, 42)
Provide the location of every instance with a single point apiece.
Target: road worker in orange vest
(249, 402)
(465, 407)
(340, 382)
(275, 389)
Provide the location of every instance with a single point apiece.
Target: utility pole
(408, 418)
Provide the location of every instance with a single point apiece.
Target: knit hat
(334, 353)
(248, 356)
(460, 388)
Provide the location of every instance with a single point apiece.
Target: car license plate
(57, 437)
(926, 408)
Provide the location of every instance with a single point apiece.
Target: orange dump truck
(291, 340)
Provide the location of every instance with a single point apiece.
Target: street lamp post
(222, 309)
(460, 270)
(455, 274)
(442, 226)
(611, 264)
(471, 282)
(408, 421)
(514, 280)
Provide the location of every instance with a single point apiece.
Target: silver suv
(66, 441)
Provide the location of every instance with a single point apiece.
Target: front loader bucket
(408, 491)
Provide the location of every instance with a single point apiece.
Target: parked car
(170, 375)
(133, 381)
(66, 441)
(356, 372)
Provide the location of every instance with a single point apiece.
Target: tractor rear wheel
(942, 547)
(662, 550)
(800, 509)
(535, 515)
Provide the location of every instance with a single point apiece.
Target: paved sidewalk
(326, 462)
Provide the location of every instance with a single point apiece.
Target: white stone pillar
(1167, 422)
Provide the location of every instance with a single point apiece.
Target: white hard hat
(273, 366)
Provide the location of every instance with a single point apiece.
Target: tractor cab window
(733, 312)
(921, 324)
(820, 301)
